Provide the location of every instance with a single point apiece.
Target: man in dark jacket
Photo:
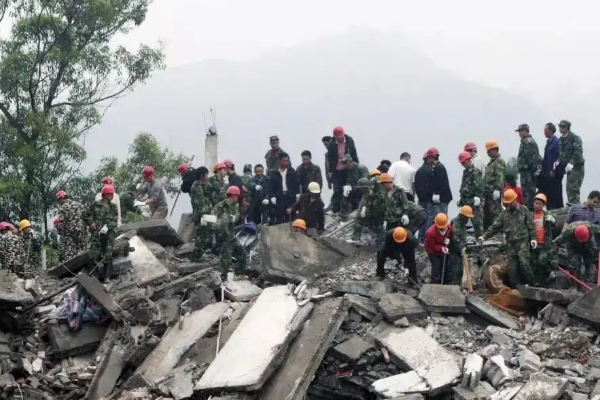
(259, 201)
(311, 209)
(326, 140)
(308, 172)
(236, 180)
(337, 149)
(283, 189)
(550, 181)
(398, 244)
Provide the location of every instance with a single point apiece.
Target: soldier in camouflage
(571, 161)
(246, 177)
(544, 256)
(471, 190)
(579, 241)
(71, 226)
(394, 202)
(273, 156)
(458, 244)
(529, 164)
(516, 223)
(351, 197)
(493, 183)
(102, 220)
(201, 205)
(12, 254)
(33, 245)
(228, 215)
(218, 187)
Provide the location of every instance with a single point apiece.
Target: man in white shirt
(116, 201)
(478, 161)
(404, 175)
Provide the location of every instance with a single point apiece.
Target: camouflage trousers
(231, 251)
(202, 239)
(350, 203)
(520, 271)
(543, 261)
(101, 252)
(71, 244)
(477, 220)
(529, 189)
(491, 210)
(373, 224)
(583, 256)
(574, 181)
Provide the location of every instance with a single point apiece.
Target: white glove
(550, 219)
(404, 220)
(496, 195)
(363, 212)
(435, 198)
(476, 201)
(480, 239)
(384, 225)
(347, 190)
(258, 188)
(555, 165)
(534, 244)
(445, 250)
(297, 197)
(138, 203)
(569, 167)
(265, 202)
(104, 230)
(273, 200)
(208, 219)
(446, 242)
(472, 371)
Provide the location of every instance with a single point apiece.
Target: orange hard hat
(467, 211)
(509, 196)
(385, 178)
(441, 221)
(399, 235)
(299, 223)
(491, 144)
(375, 172)
(542, 197)
(464, 156)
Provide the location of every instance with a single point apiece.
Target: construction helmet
(385, 178)
(56, 221)
(399, 235)
(432, 152)
(183, 167)
(542, 197)
(107, 180)
(314, 187)
(299, 223)
(233, 191)
(441, 221)
(147, 171)
(491, 144)
(375, 172)
(362, 183)
(4, 226)
(582, 233)
(470, 146)
(509, 196)
(24, 223)
(108, 189)
(464, 157)
(61, 194)
(338, 131)
(228, 163)
(219, 166)
(467, 211)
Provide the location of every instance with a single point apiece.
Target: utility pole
(211, 143)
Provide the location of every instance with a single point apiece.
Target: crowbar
(467, 270)
(571, 276)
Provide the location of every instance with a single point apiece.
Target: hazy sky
(534, 48)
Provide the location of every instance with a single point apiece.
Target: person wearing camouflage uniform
(273, 156)
(102, 220)
(493, 183)
(571, 161)
(458, 244)
(12, 254)
(517, 225)
(33, 244)
(394, 202)
(73, 237)
(127, 204)
(544, 257)
(529, 164)
(228, 215)
(581, 248)
(351, 197)
(246, 177)
(201, 205)
(471, 190)
(218, 187)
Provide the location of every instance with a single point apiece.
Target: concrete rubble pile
(308, 321)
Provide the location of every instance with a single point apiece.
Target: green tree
(58, 74)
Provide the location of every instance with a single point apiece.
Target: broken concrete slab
(396, 306)
(292, 256)
(184, 250)
(13, 293)
(156, 249)
(95, 289)
(352, 349)
(187, 268)
(443, 299)
(491, 313)
(414, 396)
(362, 305)
(587, 307)
(482, 391)
(541, 386)
(507, 393)
(306, 352)
(159, 231)
(555, 314)
(528, 360)
(147, 269)
(177, 341)
(547, 295)
(241, 290)
(373, 289)
(207, 277)
(107, 373)
(76, 263)
(396, 385)
(67, 343)
(269, 326)
(187, 228)
(340, 246)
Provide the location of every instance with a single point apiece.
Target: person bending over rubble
(516, 223)
(350, 195)
(437, 239)
(544, 256)
(581, 246)
(157, 197)
(102, 222)
(299, 226)
(71, 226)
(363, 186)
(458, 244)
(11, 250)
(399, 244)
(33, 245)
(310, 209)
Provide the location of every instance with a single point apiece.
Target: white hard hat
(314, 187)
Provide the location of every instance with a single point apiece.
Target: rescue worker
(299, 226)
(544, 256)
(326, 140)
(234, 179)
(188, 177)
(11, 251)
(458, 245)
(471, 190)
(157, 198)
(371, 206)
(128, 208)
(437, 240)
(102, 222)
(273, 156)
(581, 249)
(374, 178)
(227, 216)
(399, 245)
(201, 205)
(116, 200)
(259, 202)
(517, 225)
(341, 145)
(71, 226)
(478, 161)
(308, 172)
(310, 209)
(395, 203)
(351, 197)
(33, 244)
(283, 189)
(571, 161)
(529, 164)
(246, 177)
(510, 182)
(493, 183)
(218, 187)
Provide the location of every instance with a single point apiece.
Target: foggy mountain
(386, 95)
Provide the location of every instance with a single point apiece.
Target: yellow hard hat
(509, 196)
(24, 223)
(491, 144)
(467, 211)
(299, 223)
(542, 197)
(375, 172)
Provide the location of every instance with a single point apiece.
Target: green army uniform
(529, 164)
(471, 187)
(33, 245)
(348, 204)
(395, 206)
(73, 235)
(517, 225)
(580, 253)
(544, 258)
(375, 211)
(218, 190)
(201, 205)
(102, 244)
(246, 177)
(12, 254)
(229, 247)
(493, 180)
(458, 242)
(273, 157)
(571, 152)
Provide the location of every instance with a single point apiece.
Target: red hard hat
(56, 221)
(464, 156)
(219, 166)
(107, 181)
(432, 152)
(338, 131)
(233, 190)
(182, 169)
(108, 189)
(470, 146)
(148, 171)
(582, 233)
(4, 226)
(61, 194)
(228, 163)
